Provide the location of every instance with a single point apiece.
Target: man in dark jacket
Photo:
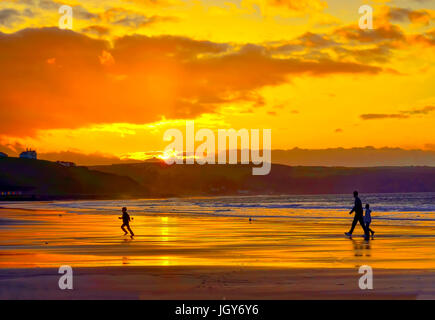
(359, 216)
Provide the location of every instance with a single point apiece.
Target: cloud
(313, 40)
(162, 3)
(414, 16)
(84, 159)
(137, 79)
(11, 149)
(131, 19)
(106, 58)
(424, 110)
(380, 54)
(402, 115)
(386, 36)
(8, 17)
(48, 5)
(384, 33)
(79, 12)
(97, 30)
(426, 40)
(83, 14)
(374, 116)
(299, 5)
(355, 157)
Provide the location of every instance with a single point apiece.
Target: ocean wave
(393, 207)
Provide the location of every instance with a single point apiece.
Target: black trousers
(128, 227)
(359, 218)
(368, 227)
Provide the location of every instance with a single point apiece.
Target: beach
(217, 283)
(180, 255)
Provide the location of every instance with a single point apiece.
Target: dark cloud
(309, 40)
(374, 116)
(147, 78)
(83, 159)
(8, 17)
(79, 12)
(131, 19)
(424, 110)
(313, 40)
(82, 13)
(402, 115)
(11, 149)
(355, 157)
(298, 5)
(413, 16)
(427, 39)
(97, 30)
(381, 34)
(358, 157)
(97, 158)
(379, 54)
(161, 3)
(48, 5)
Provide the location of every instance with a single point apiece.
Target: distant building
(66, 163)
(28, 154)
(3, 155)
(11, 192)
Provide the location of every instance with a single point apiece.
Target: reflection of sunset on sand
(51, 239)
(210, 247)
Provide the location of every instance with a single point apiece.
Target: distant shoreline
(29, 180)
(96, 198)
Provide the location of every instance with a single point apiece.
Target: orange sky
(130, 69)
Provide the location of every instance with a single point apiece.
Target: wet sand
(221, 283)
(190, 257)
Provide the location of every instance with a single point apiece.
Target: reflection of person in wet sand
(361, 248)
(126, 222)
(359, 217)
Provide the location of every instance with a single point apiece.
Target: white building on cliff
(28, 154)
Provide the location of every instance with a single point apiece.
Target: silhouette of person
(126, 222)
(359, 217)
(368, 219)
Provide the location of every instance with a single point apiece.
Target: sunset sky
(130, 69)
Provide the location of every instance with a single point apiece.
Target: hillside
(40, 179)
(43, 180)
(182, 180)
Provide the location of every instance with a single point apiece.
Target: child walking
(368, 219)
(126, 222)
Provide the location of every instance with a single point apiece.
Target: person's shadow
(361, 248)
